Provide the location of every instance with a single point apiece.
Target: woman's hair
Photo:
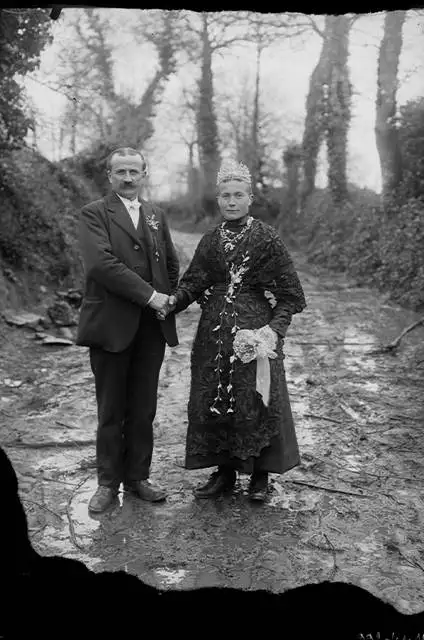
(125, 151)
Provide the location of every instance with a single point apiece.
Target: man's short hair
(124, 151)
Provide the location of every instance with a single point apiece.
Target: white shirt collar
(127, 202)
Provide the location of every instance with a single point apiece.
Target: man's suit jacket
(114, 255)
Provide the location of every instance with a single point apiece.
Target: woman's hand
(170, 306)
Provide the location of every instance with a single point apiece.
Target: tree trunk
(328, 110)
(255, 121)
(74, 119)
(386, 133)
(207, 128)
(316, 115)
(292, 158)
(339, 113)
(193, 186)
(133, 125)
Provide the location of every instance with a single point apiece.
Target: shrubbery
(378, 246)
(23, 35)
(383, 248)
(90, 165)
(411, 136)
(38, 217)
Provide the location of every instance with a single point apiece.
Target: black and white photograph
(212, 322)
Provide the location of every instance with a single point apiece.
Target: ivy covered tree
(386, 132)
(23, 35)
(99, 115)
(328, 109)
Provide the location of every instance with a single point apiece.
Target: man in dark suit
(131, 267)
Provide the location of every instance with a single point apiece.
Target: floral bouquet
(259, 345)
(252, 344)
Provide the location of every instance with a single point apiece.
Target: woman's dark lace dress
(227, 420)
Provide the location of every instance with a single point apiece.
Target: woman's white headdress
(232, 170)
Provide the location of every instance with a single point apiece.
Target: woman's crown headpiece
(231, 170)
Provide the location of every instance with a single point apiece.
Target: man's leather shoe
(146, 490)
(258, 487)
(102, 499)
(219, 482)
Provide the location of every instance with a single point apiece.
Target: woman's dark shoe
(220, 482)
(258, 487)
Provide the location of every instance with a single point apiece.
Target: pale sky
(286, 69)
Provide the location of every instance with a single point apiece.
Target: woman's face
(234, 199)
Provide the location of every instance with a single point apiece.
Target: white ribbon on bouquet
(259, 345)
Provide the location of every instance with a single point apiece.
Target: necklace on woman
(230, 237)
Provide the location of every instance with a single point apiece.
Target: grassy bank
(380, 248)
(38, 221)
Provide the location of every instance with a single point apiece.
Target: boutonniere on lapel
(152, 222)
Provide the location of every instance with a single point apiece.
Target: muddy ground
(353, 510)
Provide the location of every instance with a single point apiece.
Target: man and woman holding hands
(239, 416)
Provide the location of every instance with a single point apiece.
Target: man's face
(234, 199)
(126, 175)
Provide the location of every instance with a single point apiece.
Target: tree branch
(229, 41)
(392, 346)
(315, 26)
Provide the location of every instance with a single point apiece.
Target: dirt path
(354, 509)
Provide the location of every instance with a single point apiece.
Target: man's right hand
(160, 303)
(172, 301)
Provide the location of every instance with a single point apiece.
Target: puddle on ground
(366, 385)
(86, 527)
(374, 387)
(59, 543)
(280, 496)
(352, 462)
(170, 577)
(354, 337)
(284, 496)
(300, 405)
(358, 342)
(84, 524)
(305, 435)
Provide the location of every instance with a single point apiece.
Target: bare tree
(236, 118)
(265, 30)
(255, 161)
(188, 132)
(211, 33)
(236, 114)
(328, 108)
(207, 127)
(97, 111)
(135, 122)
(85, 76)
(386, 132)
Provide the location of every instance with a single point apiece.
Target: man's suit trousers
(126, 392)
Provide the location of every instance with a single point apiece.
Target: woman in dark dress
(239, 418)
